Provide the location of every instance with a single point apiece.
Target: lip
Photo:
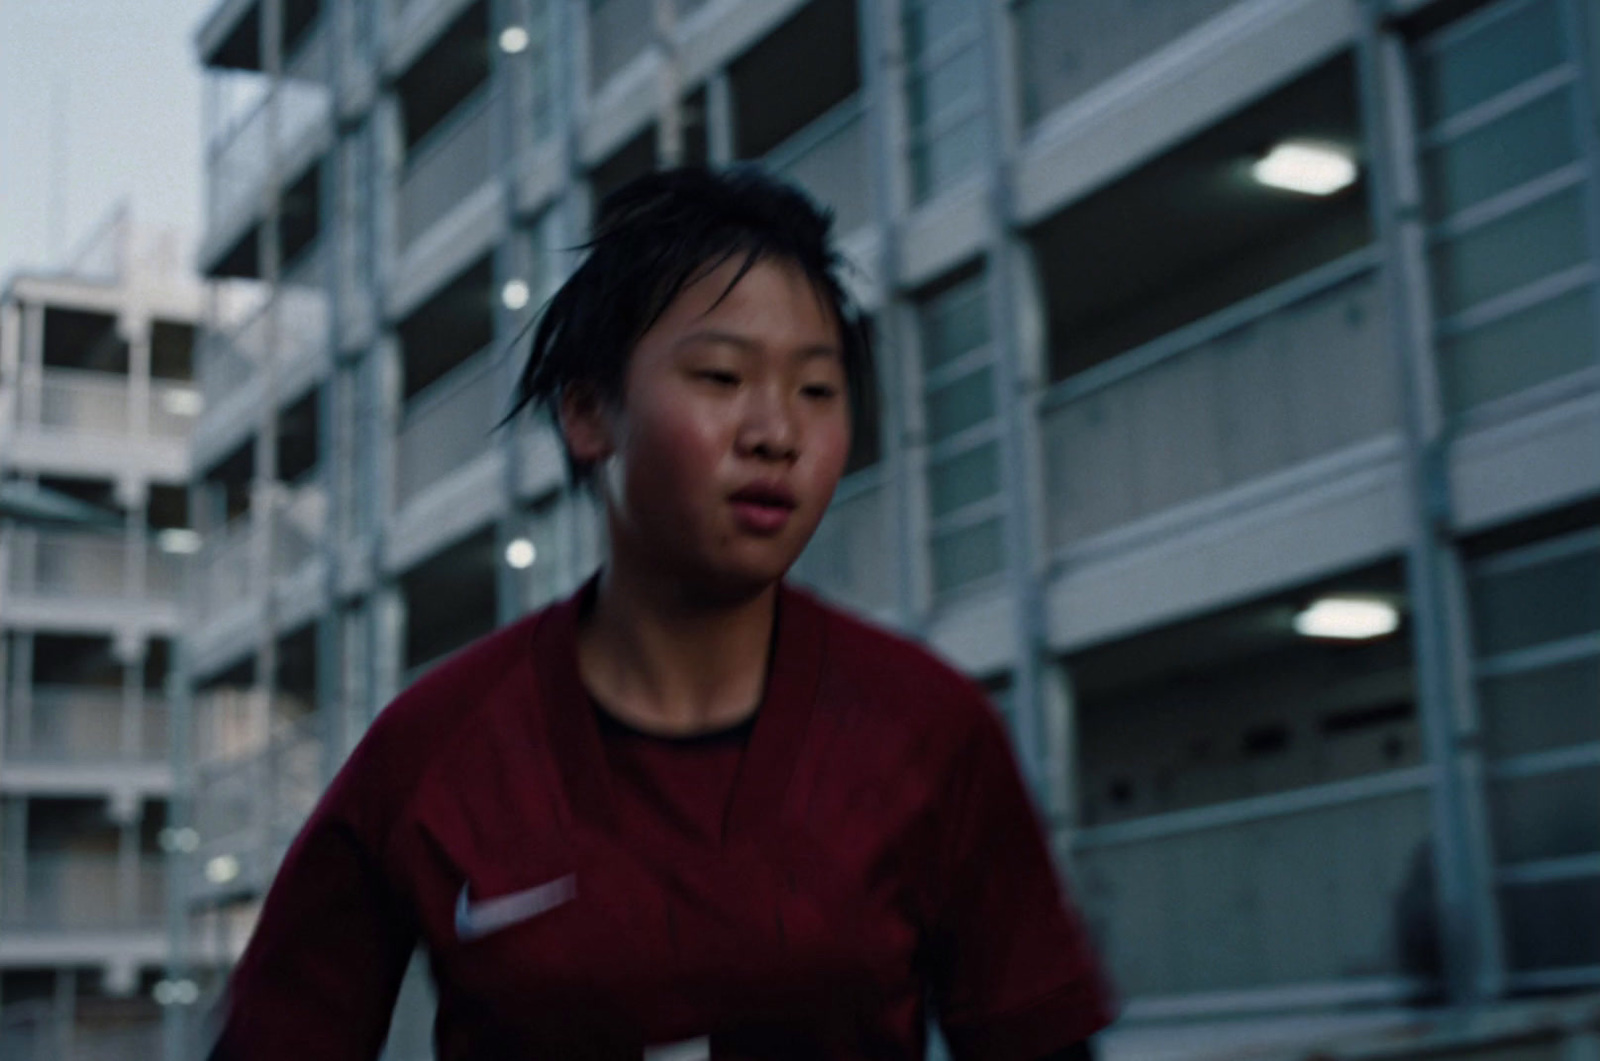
(763, 508)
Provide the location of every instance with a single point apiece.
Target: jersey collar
(794, 676)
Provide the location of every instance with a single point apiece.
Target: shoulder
(895, 680)
(420, 726)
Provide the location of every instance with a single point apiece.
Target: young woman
(689, 812)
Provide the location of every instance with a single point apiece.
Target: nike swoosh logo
(477, 919)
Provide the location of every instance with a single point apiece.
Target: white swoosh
(474, 920)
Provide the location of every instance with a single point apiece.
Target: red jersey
(877, 851)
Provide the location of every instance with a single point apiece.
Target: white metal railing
(85, 402)
(42, 1038)
(300, 522)
(67, 891)
(309, 62)
(69, 724)
(1295, 372)
(851, 557)
(452, 162)
(448, 424)
(228, 566)
(230, 357)
(174, 408)
(64, 563)
(618, 31)
(250, 805)
(1066, 48)
(1319, 885)
(301, 306)
(830, 160)
(243, 160)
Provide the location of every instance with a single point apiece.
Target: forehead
(771, 301)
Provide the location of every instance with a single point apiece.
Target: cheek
(672, 452)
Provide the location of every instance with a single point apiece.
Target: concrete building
(96, 404)
(1204, 324)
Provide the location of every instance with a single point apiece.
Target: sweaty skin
(715, 468)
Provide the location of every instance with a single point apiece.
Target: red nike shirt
(877, 851)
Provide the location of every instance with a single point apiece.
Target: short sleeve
(1013, 974)
(318, 980)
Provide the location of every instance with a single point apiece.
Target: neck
(670, 662)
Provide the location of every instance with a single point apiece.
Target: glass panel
(1547, 816)
(1547, 341)
(1533, 605)
(954, 323)
(929, 21)
(1509, 151)
(967, 555)
(1552, 707)
(958, 481)
(946, 87)
(1510, 252)
(956, 153)
(1500, 55)
(965, 403)
(1552, 925)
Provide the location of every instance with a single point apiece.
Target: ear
(586, 424)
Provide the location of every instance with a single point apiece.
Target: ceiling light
(1309, 167)
(178, 540)
(521, 554)
(182, 401)
(1348, 619)
(222, 869)
(513, 39)
(515, 295)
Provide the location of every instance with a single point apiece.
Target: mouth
(763, 508)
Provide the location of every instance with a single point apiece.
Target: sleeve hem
(1065, 1016)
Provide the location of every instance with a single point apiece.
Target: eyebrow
(746, 345)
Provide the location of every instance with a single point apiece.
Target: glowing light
(515, 295)
(521, 554)
(222, 869)
(513, 40)
(179, 541)
(176, 992)
(1348, 619)
(181, 401)
(1306, 166)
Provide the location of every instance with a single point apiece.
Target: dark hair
(654, 237)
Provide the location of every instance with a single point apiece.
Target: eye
(718, 376)
(820, 391)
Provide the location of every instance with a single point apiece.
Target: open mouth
(763, 508)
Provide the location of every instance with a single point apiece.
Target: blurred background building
(1240, 431)
(96, 406)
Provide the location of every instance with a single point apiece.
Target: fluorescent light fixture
(521, 554)
(178, 540)
(515, 295)
(181, 401)
(222, 869)
(1348, 619)
(513, 40)
(1310, 167)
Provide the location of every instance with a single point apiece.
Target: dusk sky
(124, 75)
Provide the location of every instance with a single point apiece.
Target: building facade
(96, 404)
(1147, 417)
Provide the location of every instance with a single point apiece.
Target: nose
(768, 431)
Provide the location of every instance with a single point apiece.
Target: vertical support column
(1018, 384)
(669, 87)
(19, 718)
(65, 1009)
(14, 851)
(1467, 916)
(719, 118)
(31, 397)
(136, 332)
(131, 650)
(126, 809)
(881, 76)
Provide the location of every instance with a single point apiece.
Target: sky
(123, 75)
